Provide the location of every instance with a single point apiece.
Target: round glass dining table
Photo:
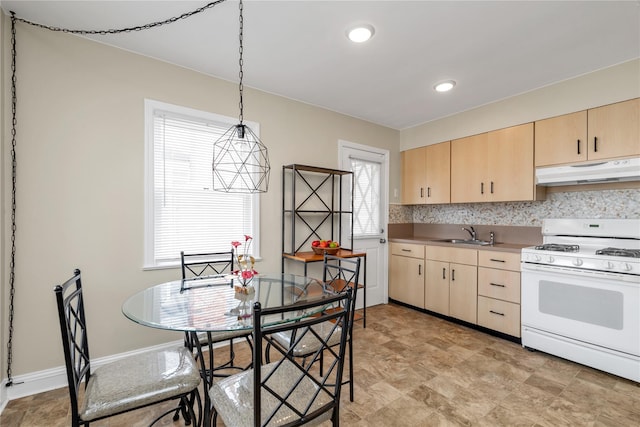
(212, 304)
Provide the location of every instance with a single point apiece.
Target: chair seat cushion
(232, 396)
(139, 380)
(309, 343)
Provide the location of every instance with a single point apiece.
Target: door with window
(370, 168)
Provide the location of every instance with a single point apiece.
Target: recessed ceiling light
(361, 33)
(445, 86)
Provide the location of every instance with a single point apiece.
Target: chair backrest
(288, 389)
(341, 274)
(74, 335)
(204, 265)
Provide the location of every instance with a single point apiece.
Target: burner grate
(558, 247)
(631, 253)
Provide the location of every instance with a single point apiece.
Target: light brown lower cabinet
(406, 274)
(451, 282)
(499, 315)
(477, 286)
(499, 291)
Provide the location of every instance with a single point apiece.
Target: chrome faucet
(471, 231)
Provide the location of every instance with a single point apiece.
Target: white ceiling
(298, 49)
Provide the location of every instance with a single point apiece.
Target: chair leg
(350, 369)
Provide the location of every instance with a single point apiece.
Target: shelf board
(313, 257)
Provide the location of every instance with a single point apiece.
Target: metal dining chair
(123, 385)
(339, 274)
(206, 265)
(285, 391)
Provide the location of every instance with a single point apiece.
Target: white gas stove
(591, 245)
(581, 293)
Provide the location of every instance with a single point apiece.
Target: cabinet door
(510, 165)
(469, 162)
(414, 178)
(438, 171)
(406, 280)
(614, 130)
(561, 139)
(436, 294)
(463, 292)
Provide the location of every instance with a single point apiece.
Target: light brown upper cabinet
(614, 130)
(426, 174)
(611, 131)
(493, 167)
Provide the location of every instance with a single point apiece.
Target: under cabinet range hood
(590, 173)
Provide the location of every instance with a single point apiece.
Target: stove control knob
(610, 265)
(627, 267)
(537, 258)
(551, 259)
(577, 262)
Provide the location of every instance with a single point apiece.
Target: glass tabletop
(212, 304)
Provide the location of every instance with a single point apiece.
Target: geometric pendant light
(240, 159)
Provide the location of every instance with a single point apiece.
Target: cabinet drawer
(499, 284)
(499, 315)
(501, 260)
(407, 249)
(449, 254)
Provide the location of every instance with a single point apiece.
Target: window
(366, 197)
(182, 212)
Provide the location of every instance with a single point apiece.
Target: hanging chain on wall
(14, 122)
(12, 263)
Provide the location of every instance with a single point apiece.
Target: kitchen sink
(467, 241)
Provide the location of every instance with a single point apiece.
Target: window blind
(187, 214)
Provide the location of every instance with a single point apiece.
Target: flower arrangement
(245, 262)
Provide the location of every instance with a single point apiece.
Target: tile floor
(413, 369)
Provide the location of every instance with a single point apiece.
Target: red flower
(247, 238)
(235, 244)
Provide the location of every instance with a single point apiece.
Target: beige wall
(80, 179)
(607, 86)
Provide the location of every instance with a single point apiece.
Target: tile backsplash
(579, 204)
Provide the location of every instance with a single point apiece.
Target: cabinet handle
(491, 187)
(496, 260)
(419, 270)
(443, 276)
(482, 188)
(421, 192)
(578, 146)
(453, 275)
(428, 191)
(495, 312)
(595, 144)
(496, 284)
(406, 250)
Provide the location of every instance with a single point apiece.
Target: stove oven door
(597, 308)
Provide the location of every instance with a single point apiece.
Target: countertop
(437, 241)
(509, 238)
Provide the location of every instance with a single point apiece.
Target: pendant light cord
(14, 122)
(240, 63)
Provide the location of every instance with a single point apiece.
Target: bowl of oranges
(321, 247)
